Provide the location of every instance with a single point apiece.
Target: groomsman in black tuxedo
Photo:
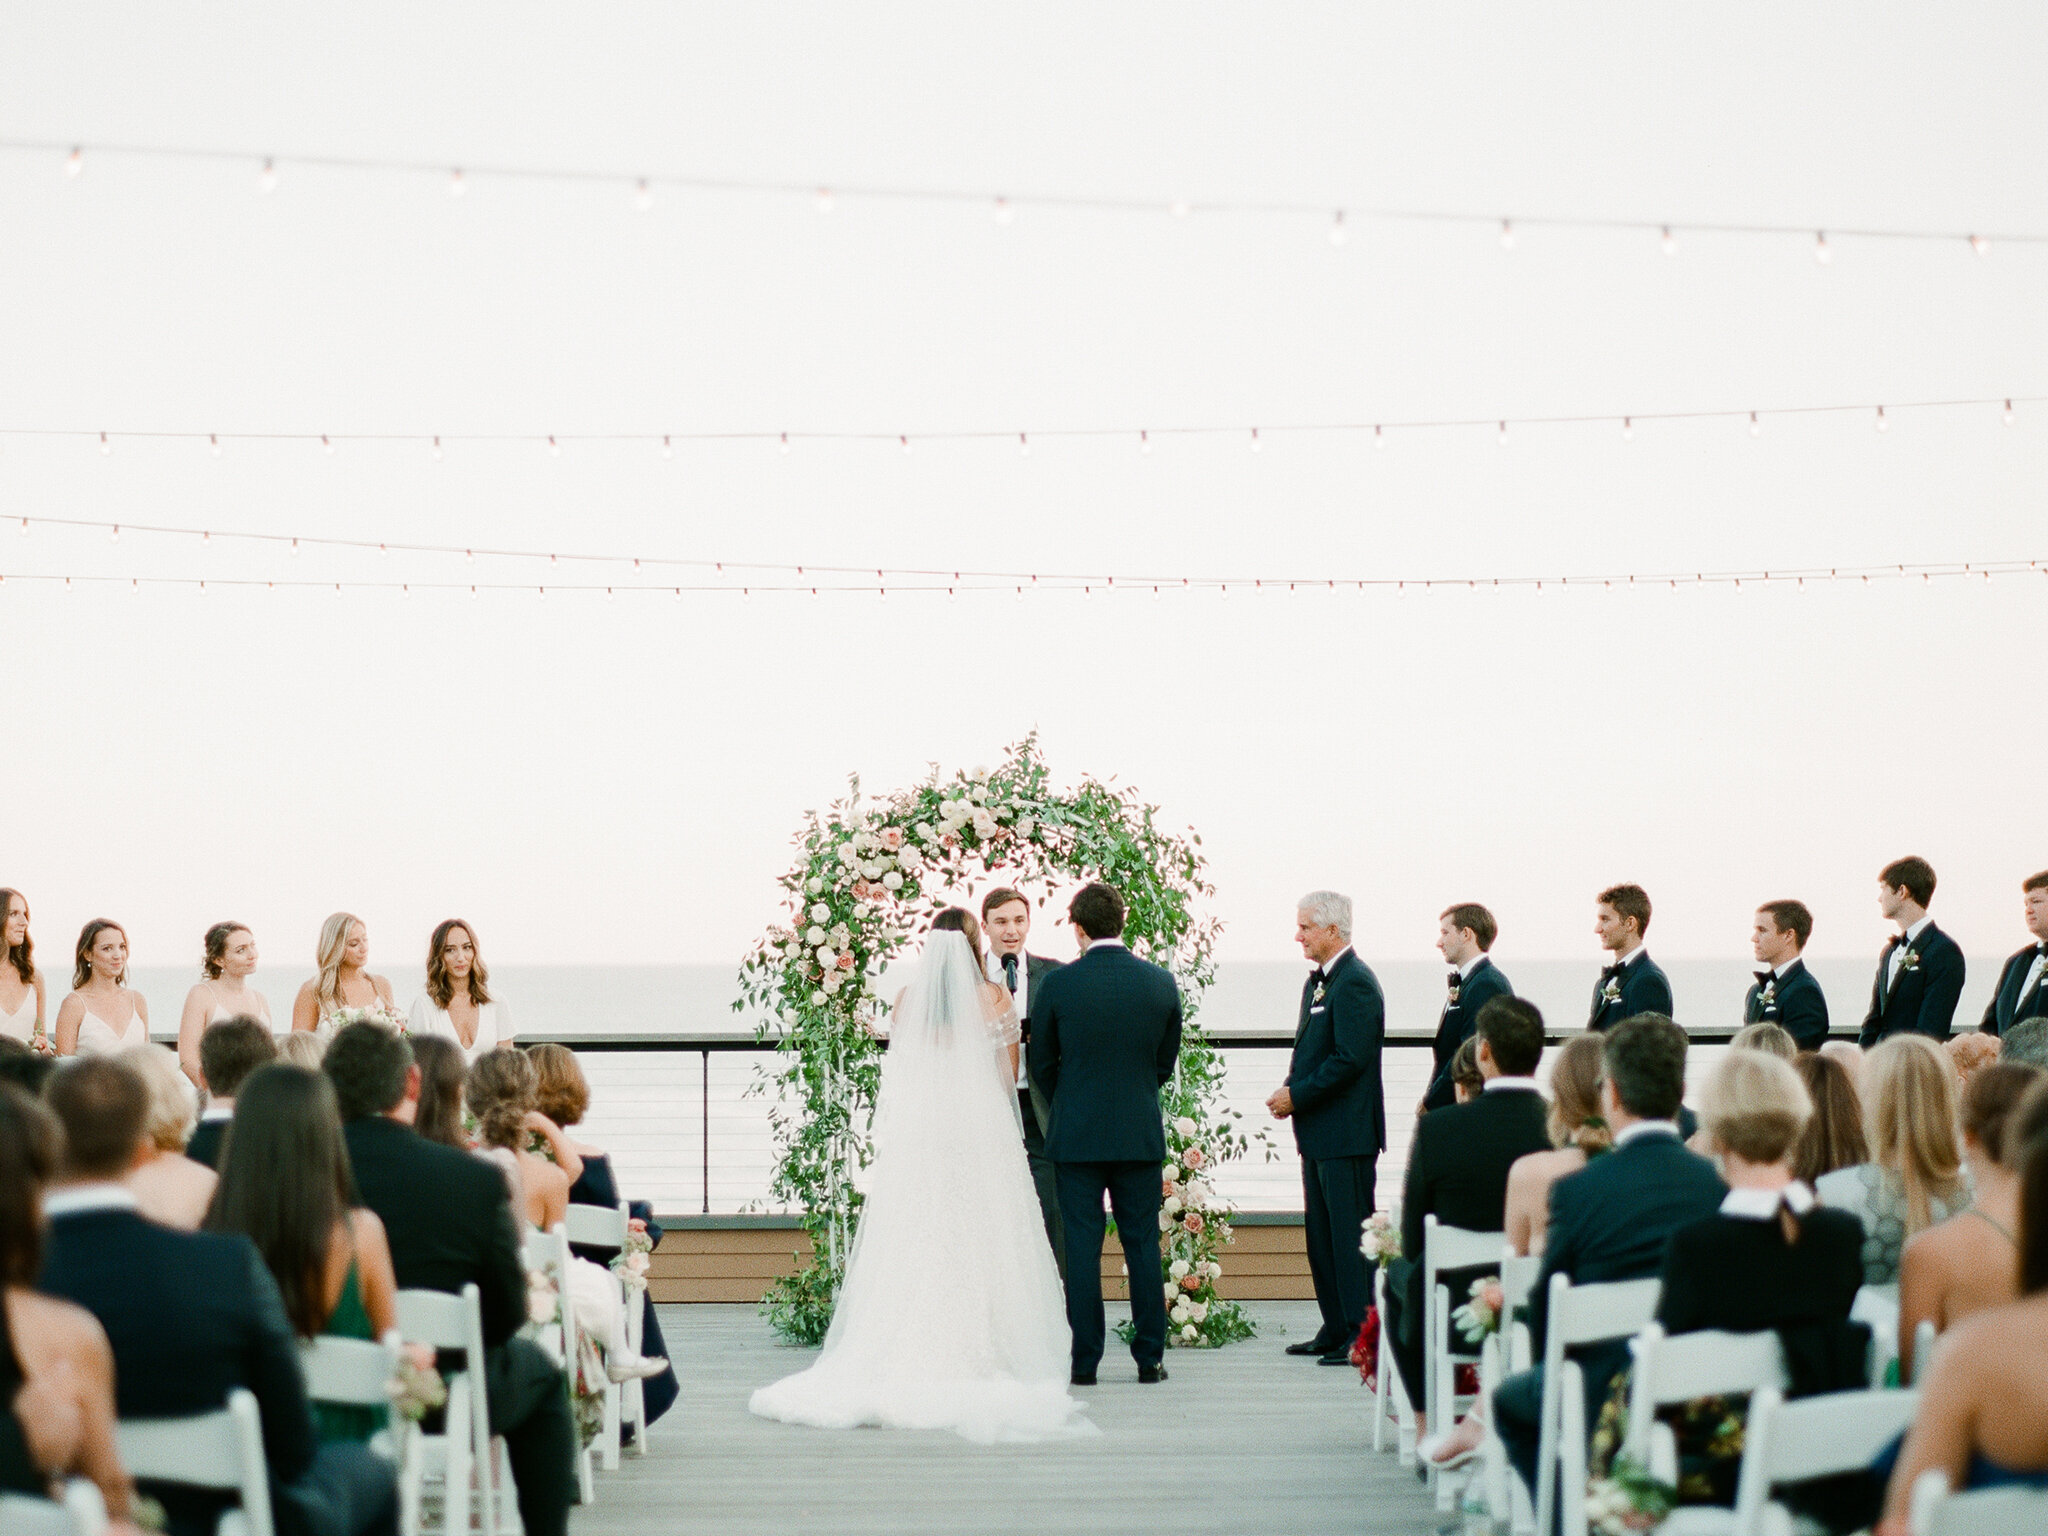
(1464, 935)
(1632, 983)
(1920, 973)
(1006, 922)
(2022, 991)
(1786, 994)
(1335, 1097)
(1105, 1037)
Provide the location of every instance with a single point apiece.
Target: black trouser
(1134, 1194)
(1336, 1199)
(529, 1406)
(1401, 1330)
(349, 1490)
(1046, 1179)
(1518, 1405)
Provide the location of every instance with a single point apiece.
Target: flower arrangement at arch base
(867, 876)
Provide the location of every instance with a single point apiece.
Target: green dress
(350, 1319)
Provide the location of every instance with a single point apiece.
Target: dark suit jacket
(1105, 1034)
(1644, 989)
(1456, 1024)
(1340, 1104)
(207, 1136)
(1036, 969)
(1924, 997)
(190, 1316)
(1613, 1219)
(448, 1216)
(2007, 1006)
(1458, 1165)
(1797, 1003)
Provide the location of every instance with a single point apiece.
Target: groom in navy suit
(1920, 973)
(2022, 990)
(1338, 1104)
(1632, 983)
(1105, 1036)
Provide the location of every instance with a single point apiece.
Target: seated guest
(448, 1218)
(1968, 1263)
(169, 1186)
(1771, 1039)
(1786, 993)
(285, 1185)
(2022, 990)
(1850, 1055)
(228, 1052)
(191, 1316)
(442, 1069)
(2026, 1042)
(1613, 1219)
(1458, 1172)
(1769, 1258)
(563, 1096)
(1466, 1080)
(1915, 1175)
(56, 1371)
(302, 1048)
(1833, 1137)
(1983, 1417)
(1970, 1052)
(1577, 1132)
(1464, 935)
(27, 1069)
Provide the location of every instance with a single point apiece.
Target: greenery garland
(867, 874)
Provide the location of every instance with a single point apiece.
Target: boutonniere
(1769, 996)
(1319, 993)
(1611, 993)
(1454, 994)
(1909, 959)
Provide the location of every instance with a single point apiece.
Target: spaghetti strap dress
(350, 1319)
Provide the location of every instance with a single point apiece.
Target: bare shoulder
(52, 1329)
(544, 1174)
(994, 1000)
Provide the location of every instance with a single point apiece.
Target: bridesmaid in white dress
(103, 1014)
(457, 1004)
(344, 979)
(227, 964)
(21, 984)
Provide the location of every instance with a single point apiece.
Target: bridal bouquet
(631, 1262)
(1381, 1239)
(379, 1012)
(416, 1388)
(1628, 1501)
(42, 1044)
(1481, 1315)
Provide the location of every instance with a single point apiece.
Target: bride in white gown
(951, 1315)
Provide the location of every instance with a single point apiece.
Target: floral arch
(866, 875)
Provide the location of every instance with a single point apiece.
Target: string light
(1628, 430)
(2007, 416)
(1883, 423)
(1669, 241)
(1821, 253)
(1004, 213)
(643, 195)
(1023, 446)
(106, 447)
(213, 444)
(1507, 234)
(74, 163)
(1144, 442)
(1980, 245)
(1502, 437)
(266, 179)
(668, 448)
(456, 185)
(554, 448)
(824, 199)
(437, 450)
(1338, 233)
(1257, 445)
(327, 444)
(1756, 428)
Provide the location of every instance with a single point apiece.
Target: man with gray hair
(2026, 1043)
(1335, 1098)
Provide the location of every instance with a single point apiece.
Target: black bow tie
(1453, 979)
(1010, 973)
(1316, 977)
(1765, 978)
(1611, 973)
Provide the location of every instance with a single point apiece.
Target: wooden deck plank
(1242, 1441)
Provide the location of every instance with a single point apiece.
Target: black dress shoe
(1335, 1357)
(1083, 1378)
(1147, 1374)
(1308, 1347)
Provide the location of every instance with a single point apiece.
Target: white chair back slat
(1518, 1276)
(435, 1318)
(597, 1226)
(23, 1514)
(1789, 1442)
(1984, 1512)
(85, 1505)
(356, 1372)
(1446, 1248)
(442, 1321)
(222, 1450)
(1924, 1340)
(1577, 1315)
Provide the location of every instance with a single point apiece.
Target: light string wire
(1002, 205)
(1881, 414)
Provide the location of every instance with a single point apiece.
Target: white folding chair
(1924, 1338)
(1446, 1248)
(548, 1252)
(1877, 1306)
(464, 1449)
(1577, 1315)
(602, 1226)
(1505, 1352)
(1986, 1512)
(221, 1450)
(1390, 1396)
(1789, 1442)
(1679, 1368)
(23, 1514)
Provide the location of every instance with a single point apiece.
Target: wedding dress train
(951, 1315)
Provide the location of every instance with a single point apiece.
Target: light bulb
(1756, 428)
(326, 444)
(643, 195)
(2007, 418)
(437, 448)
(1502, 439)
(554, 448)
(1670, 241)
(1821, 253)
(295, 547)
(1628, 430)
(1256, 443)
(1023, 446)
(114, 534)
(785, 442)
(106, 447)
(1379, 437)
(1004, 213)
(1507, 234)
(1980, 245)
(1338, 233)
(1883, 424)
(213, 443)
(824, 199)
(668, 449)
(456, 185)
(74, 163)
(266, 179)
(1144, 442)
(905, 441)
(469, 557)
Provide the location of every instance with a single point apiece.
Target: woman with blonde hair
(1772, 1039)
(1576, 1130)
(1915, 1175)
(170, 1188)
(457, 1004)
(302, 1049)
(343, 980)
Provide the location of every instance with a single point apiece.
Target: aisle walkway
(1241, 1442)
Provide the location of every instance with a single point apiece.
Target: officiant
(1006, 924)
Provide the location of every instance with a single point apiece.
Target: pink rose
(1191, 1282)
(892, 838)
(846, 962)
(1494, 1296)
(1192, 1156)
(1192, 1221)
(637, 1225)
(1168, 1189)
(949, 842)
(636, 1263)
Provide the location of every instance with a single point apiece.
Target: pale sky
(593, 782)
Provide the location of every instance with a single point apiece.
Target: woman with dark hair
(100, 995)
(227, 960)
(441, 1074)
(21, 984)
(56, 1369)
(285, 1183)
(457, 1004)
(1983, 1416)
(1833, 1137)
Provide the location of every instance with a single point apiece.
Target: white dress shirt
(1506, 1084)
(76, 1199)
(1628, 1134)
(2033, 974)
(1891, 974)
(1022, 997)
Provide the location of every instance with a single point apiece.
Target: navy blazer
(1796, 1003)
(190, 1316)
(1340, 1103)
(1458, 1165)
(1644, 989)
(1924, 997)
(1613, 1219)
(1036, 969)
(2007, 1007)
(205, 1143)
(1105, 1035)
(1456, 1025)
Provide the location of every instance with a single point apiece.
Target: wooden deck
(1243, 1441)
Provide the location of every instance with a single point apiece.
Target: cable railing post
(704, 1057)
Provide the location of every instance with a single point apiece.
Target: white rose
(981, 773)
(815, 935)
(1184, 1126)
(820, 912)
(833, 980)
(978, 794)
(1171, 1172)
(984, 824)
(845, 853)
(825, 956)
(1178, 1268)
(1187, 1332)
(861, 909)
(1172, 1206)
(1026, 827)
(1199, 1311)
(1179, 1313)
(817, 997)
(791, 950)
(924, 832)
(912, 860)
(892, 881)
(1164, 1220)
(814, 885)
(1215, 1270)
